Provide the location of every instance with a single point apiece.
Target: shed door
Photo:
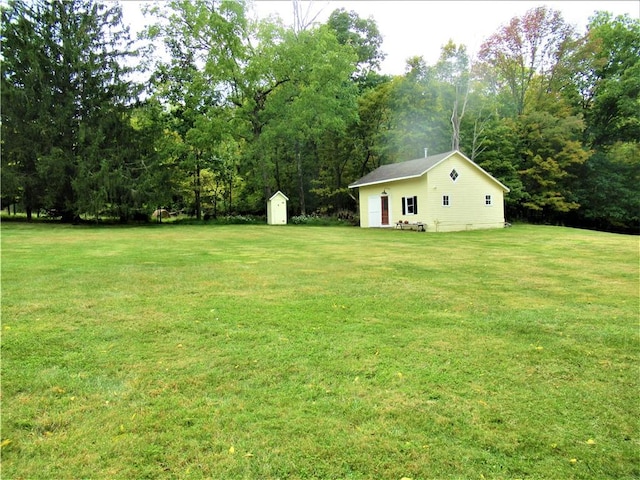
(384, 206)
(374, 211)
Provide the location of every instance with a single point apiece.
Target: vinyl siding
(395, 192)
(467, 209)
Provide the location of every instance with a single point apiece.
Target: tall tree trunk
(215, 197)
(455, 125)
(276, 165)
(197, 193)
(265, 177)
(303, 208)
(257, 131)
(456, 119)
(230, 195)
(477, 146)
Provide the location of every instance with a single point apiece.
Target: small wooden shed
(277, 209)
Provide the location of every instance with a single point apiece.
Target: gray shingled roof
(402, 170)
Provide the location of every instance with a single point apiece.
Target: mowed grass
(318, 352)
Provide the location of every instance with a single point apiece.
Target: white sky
(421, 28)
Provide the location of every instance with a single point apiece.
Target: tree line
(234, 109)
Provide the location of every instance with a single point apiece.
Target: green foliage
(236, 109)
(418, 119)
(453, 71)
(363, 36)
(608, 188)
(205, 44)
(64, 115)
(315, 100)
(532, 44)
(26, 104)
(498, 154)
(614, 76)
(550, 151)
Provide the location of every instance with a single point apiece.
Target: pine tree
(65, 97)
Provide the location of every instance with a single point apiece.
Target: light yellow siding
(467, 208)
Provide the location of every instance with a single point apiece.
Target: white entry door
(375, 211)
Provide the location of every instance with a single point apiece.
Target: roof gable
(413, 169)
(278, 193)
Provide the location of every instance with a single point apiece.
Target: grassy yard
(318, 352)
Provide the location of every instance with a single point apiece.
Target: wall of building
(467, 209)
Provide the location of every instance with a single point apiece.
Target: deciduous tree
(550, 152)
(206, 46)
(532, 44)
(453, 70)
(364, 37)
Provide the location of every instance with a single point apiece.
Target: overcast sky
(421, 28)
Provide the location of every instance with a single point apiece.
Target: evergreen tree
(64, 114)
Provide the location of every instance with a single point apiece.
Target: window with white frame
(445, 201)
(454, 175)
(488, 201)
(410, 205)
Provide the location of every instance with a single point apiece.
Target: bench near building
(440, 193)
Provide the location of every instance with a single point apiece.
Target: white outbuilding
(277, 209)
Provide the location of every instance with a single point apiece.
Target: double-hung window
(410, 205)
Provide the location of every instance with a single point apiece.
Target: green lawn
(318, 352)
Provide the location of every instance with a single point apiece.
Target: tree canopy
(237, 108)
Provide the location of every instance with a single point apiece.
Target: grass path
(318, 352)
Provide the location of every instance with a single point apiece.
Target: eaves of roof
(278, 193)
(413, 169)
(401, 171)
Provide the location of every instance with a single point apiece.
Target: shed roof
(412, 169)
(278, 193)
(399, 171)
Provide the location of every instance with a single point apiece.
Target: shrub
(315, 219)
(238, 220)
(304, 219)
